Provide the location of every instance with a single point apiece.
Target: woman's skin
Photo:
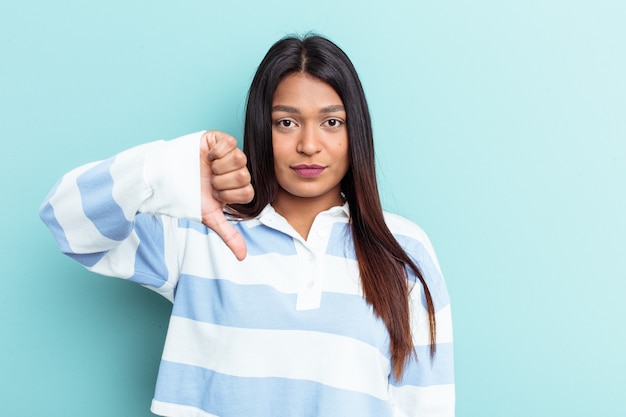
(224, 178)
(310, 143)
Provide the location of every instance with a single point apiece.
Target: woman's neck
(300, 212)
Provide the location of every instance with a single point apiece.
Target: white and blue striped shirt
(286, 332)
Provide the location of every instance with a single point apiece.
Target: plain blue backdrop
(500, 129)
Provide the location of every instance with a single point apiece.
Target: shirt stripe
(226, 303)
(96, 190)
(235, 396)
(279, 353)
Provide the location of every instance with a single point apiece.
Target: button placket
(309, 288)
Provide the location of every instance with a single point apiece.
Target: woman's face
(310, 141)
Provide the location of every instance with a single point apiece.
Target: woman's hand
(225, 179)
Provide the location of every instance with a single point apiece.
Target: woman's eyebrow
(332, 109)
(286, 109)
(290, 109)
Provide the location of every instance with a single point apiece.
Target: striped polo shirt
(285, 332)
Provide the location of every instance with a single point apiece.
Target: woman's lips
(308, 171)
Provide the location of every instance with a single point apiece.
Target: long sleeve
(427, 387)
(115, 216)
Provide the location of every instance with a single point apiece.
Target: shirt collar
(336, 211)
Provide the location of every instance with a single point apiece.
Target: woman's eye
(285, 123)
(333, 122)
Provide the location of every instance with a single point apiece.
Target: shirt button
(310, 284)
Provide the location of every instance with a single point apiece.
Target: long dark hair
(382, 261)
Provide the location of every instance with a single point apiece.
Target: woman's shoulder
(411, 237)
(399, 225)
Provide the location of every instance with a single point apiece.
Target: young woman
(294, 293)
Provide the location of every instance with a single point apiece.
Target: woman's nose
(309, 142)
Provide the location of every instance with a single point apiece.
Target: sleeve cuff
(173, 172)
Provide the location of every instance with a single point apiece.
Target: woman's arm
(107, 214)
(427, 387)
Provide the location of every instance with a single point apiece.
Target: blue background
(500, 129)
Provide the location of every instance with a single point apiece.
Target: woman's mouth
(308, 171)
